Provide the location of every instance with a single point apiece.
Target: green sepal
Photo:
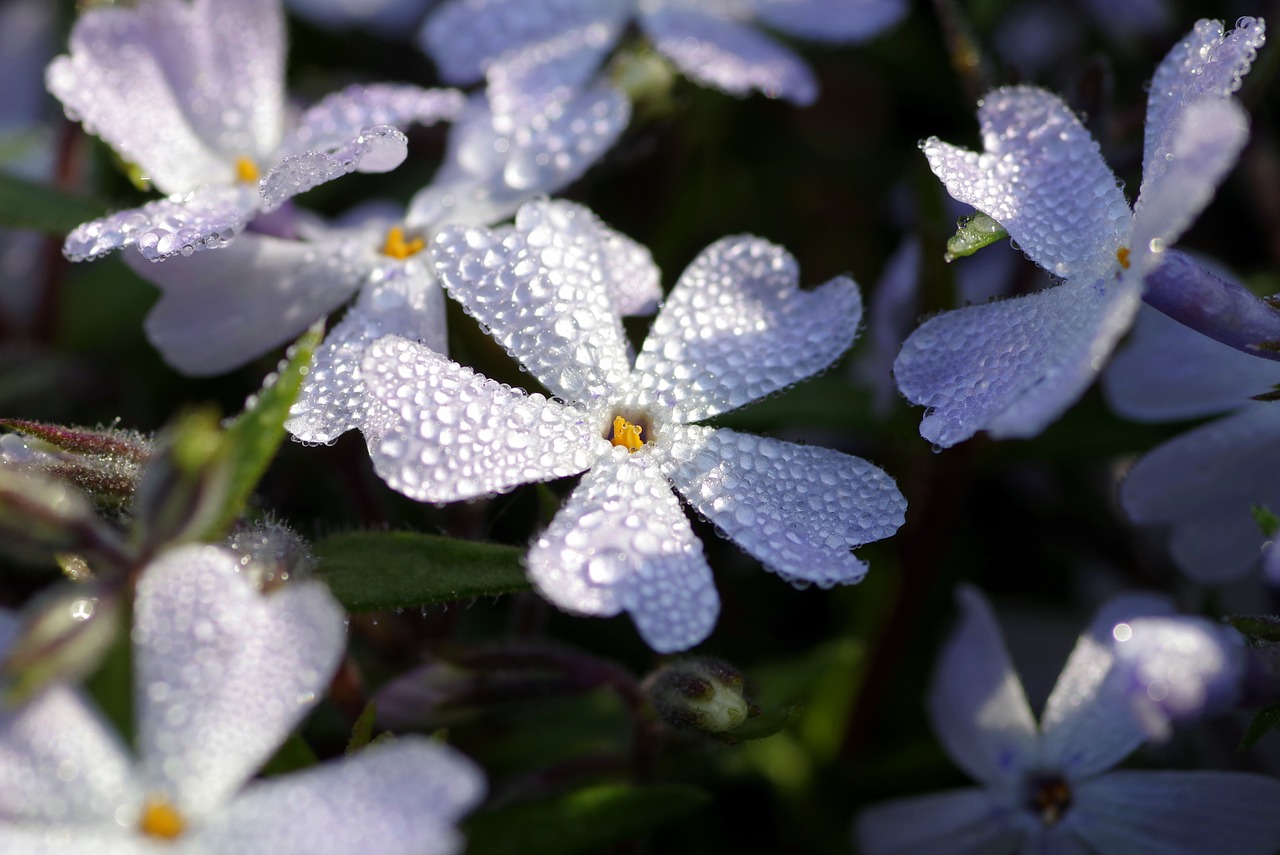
(1257, 627)
(973, 232)
(1266, 520)
(1264, 721)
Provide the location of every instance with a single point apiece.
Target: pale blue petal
(526, 82)
(1013, 367)
(341, 116)
(1127, 19)
(737, 327)
(974, 821)
(100, 839)
(389, 18)
(1042, 178)
(1179, 813)
(798, 509)
(1167, 371)
(380, 148)
(830, 20)
(26, 44)
(976, 703)
(892, 313)
(621, 542)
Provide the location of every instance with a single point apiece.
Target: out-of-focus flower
(1050, 788)
(1012, 367)
(541, 47)
(387, 18)
(735, 328)
(222, 675)
(1176, 668)
(193, 94)
(894, 308)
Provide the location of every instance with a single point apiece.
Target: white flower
(735, 328)
(222, 674)
(1013, 366)
(193, 94)
(1050, 788)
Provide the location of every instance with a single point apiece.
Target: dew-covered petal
(380, 148)
(341, 116)
(1179, 813)
(621, 542)
(1204, 146)
(798, 509)
(399, 298)
(976, 702)
(223, 673)
(465, 36)
(955, 822)
(1014, 366)
(1129, 20)
(401, 798)
(218, 311)
(539, 289)
(1085, 729)
(1168, 371)
(457, 435)
(100, 839)
(390, 19)
(728, 55)
(1042, 178)
(60, 762)
(737, 327)
(180, 225)
(830, 20)
(181, 89)
(1206, 64)
(525, 81)
(1205, 483)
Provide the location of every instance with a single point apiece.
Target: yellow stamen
(161, 820)
(626, 434)
(1122, 256)
(397, 247)
(247, 170)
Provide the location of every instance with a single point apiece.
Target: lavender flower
(1014, 366)
(222, 675)
(735, 328)
(1050, 788)
(193, 94)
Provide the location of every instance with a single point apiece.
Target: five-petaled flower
(1013, 366)
(735, 328)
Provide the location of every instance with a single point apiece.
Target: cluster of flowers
(192, 93)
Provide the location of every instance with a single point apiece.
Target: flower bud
(182, 490)
(271, 553)
(105, 464)
(703, 694)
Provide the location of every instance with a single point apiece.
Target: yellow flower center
(1051, 799)
(626, 434)
(161, 820)
(1122, 256)
(247, 170)
(397, 247)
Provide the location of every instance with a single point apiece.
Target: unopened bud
(181, 492)
(271, 553)
(104, 463)
(704, 694)
(41, 517)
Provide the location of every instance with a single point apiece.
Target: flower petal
(1206, 64)
(540, 290)
(1042, 178)
(1086, 730)
(798, 509)
(727, 55)
(60, 762)
(217, 312)
(976, 702)
(380, 148)
(621, 542)
(1179, 813)
(893, 311)
(67, 840)
(830, 20)
(222, 672)
(1167, 371)
(183, 90)
(1014, 366)
(737, 327)
(341, 116)
(1205, 483)
(954, 822)
(398, 298)
(465, 36)
(1203, 148)
(180, 225)
(458, 435)
(402, 798)
(526, 81)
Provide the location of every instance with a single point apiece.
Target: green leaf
(1259, 627)
(255, 435)
(972, 234)
(1264, 721)
(375, 571)
(362, 730)
(293, 755)
(1266, 520)
(585, 820)
(28, 205)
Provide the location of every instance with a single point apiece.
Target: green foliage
(1266, 520)
(582, 821)
(374, 571)
(1257, 627)
(1264, 721)
(972, 234)
(27, 205)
